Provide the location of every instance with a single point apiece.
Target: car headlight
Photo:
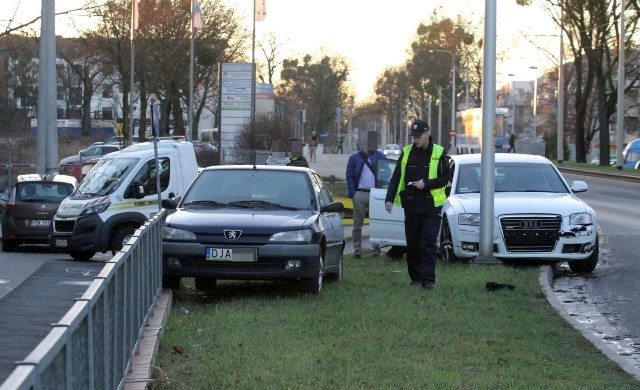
(293, 236)
(170, 233)
(469, 219)
(581, 219)
(95, 209)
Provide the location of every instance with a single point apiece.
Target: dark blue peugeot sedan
(254, 222)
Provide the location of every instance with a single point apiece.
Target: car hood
(519, 203)
(258, 221)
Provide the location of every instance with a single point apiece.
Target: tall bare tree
(591, 28)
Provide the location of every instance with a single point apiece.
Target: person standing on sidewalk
(512, 143)
(360, 179)
(313, 146)
(418, 184)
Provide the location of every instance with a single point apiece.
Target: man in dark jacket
(418, 184)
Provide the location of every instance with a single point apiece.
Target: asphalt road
(606, 301)
(37, 289)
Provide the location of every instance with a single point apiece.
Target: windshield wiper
(250, 203)
(204, 202)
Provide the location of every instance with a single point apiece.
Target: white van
(118, 195)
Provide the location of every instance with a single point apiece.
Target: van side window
(146, 177)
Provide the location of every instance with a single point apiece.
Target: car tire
(337, 276)
(82, 256)
(120, 238)
(313, 285)
(204, 283)
(8, 246)
(445, 251)
(588, 265)
(171, 282)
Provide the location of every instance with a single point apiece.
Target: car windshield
(52, 192)
(105, 177)
(248, 188)
(512, 177)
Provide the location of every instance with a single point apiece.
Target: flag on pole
(135, 14)
(261, 10)
(197, 15)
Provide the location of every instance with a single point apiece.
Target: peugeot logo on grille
(232, 234)
(530, 224)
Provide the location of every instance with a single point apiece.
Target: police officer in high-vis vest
(418, 185)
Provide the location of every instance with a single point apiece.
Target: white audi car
(537, 216)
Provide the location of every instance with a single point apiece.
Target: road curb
(545, 279)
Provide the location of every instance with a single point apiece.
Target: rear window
(42, 192)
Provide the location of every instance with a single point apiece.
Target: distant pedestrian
(339, 148)
(313, 146)
(360, 180)
(512, 143)
(418, 184)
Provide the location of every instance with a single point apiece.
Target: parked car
(31, 205)
(115, 140)
(612, 160)
(4, 197)
(206, 154)
(69, 165)
(246, 222)
(80, 170)
(89, 153)
(392, 151)
(537, 216)
(631, 154)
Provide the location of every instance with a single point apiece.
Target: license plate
(61, 243)
(231, 254)
(40, 222)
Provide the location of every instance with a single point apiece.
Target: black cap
(418, 127)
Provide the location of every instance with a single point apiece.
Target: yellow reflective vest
(438, 194)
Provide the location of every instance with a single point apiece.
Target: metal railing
(93, 345)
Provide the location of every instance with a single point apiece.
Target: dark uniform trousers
(421, 231)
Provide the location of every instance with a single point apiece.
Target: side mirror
(579, 186)
(169, 204)
(333, 207)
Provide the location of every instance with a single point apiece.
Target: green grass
(374, 331)
(598, 168)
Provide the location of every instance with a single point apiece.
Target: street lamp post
(453, 93)
(513, 103)
(535, 101)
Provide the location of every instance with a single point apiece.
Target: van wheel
(120, 238)
(82, 256)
